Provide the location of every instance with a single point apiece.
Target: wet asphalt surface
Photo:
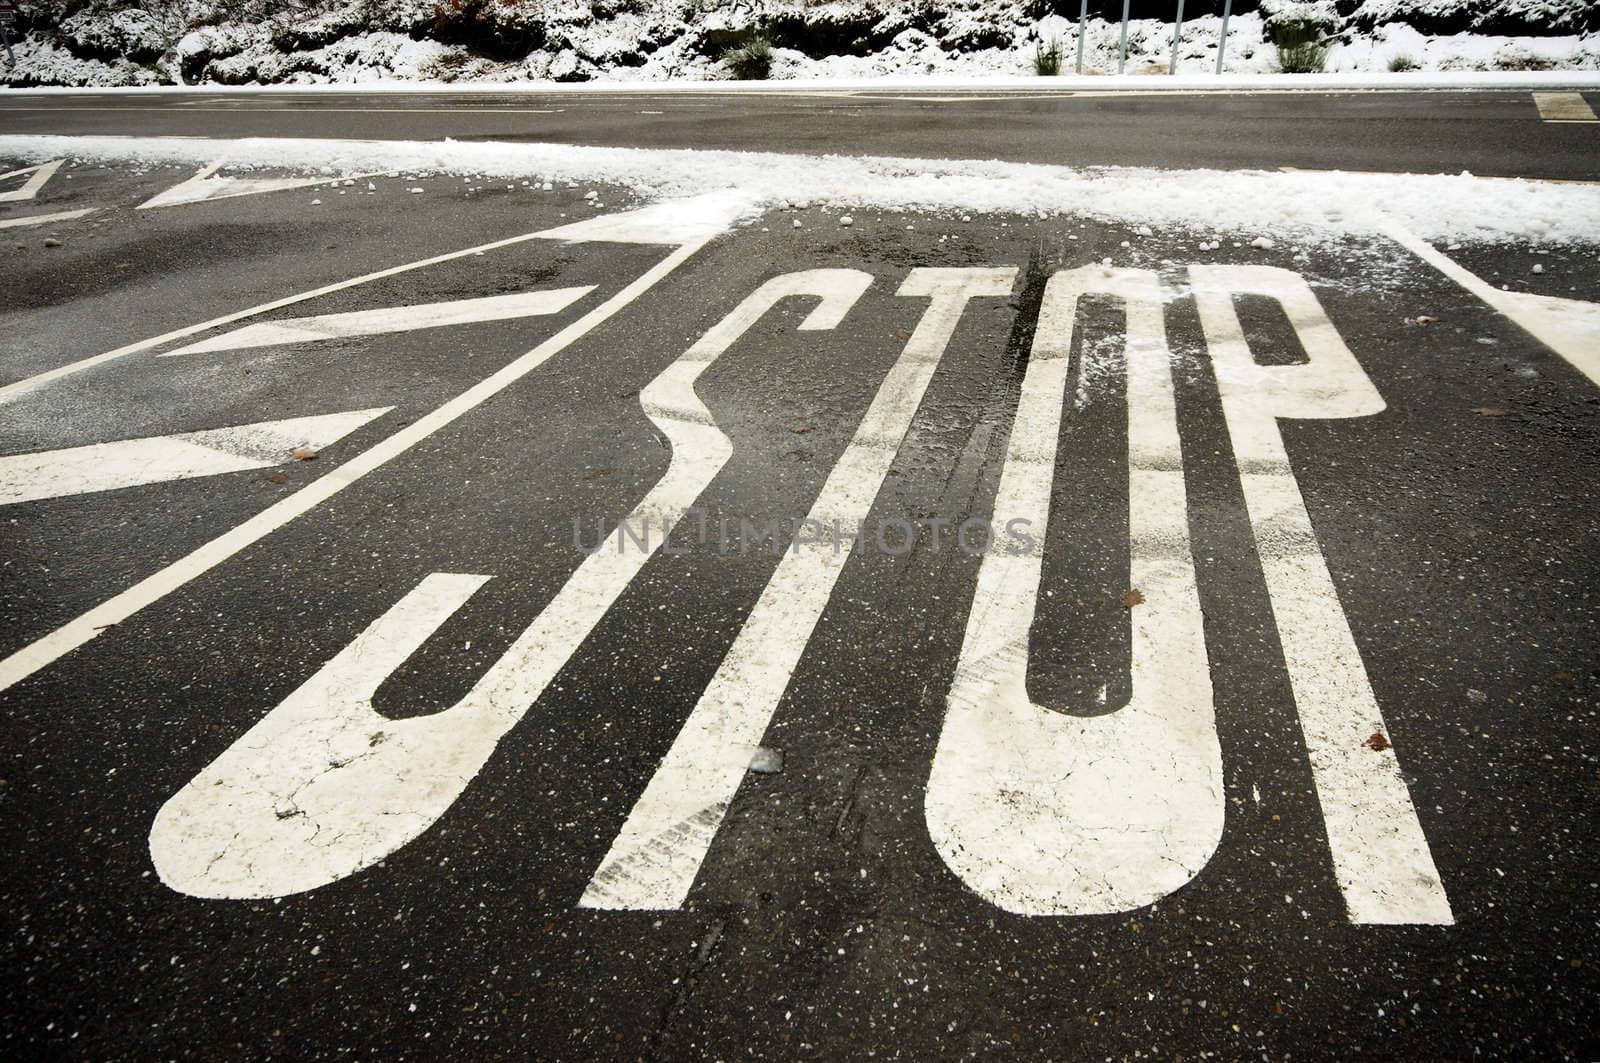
(1490, 133)
(1459, 526)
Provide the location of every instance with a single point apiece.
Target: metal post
(1083, 18)
(8, 18)
(1222, 39)
(1177, 31)
(1122, 55)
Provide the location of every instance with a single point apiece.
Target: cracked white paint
(312, 794)
(322, 785)
(156, 459)
(389, 319)
(1044, 813)
(654, 860)
(1380, 854)
(29, 188)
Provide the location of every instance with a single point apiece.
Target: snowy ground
(654, 41)
(1307, 208)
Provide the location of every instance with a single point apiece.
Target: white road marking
(609, 227)
(673, 222)
(1569, 327)
(657, 854)
(1007, 98)
(237, 108)
(156, 459)
(30, 188)
(1564, 107)
(1045, 813)
(63, 640)
(324, 785)
(1380, 854)
(389, 319)
(205, 186)
(44, 219)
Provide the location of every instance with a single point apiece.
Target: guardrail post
(1122, 54)
(1177, 31)
(1222, 38)
(1083, 19)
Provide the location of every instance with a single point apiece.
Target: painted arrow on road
(206, 186)
(390, 319)
(156, 459)
(30, 188)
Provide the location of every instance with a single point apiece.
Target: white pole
(1083, 18)
(1177, 31)
(1222, 40)
(1122, 56)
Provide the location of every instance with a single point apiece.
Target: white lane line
(390, 319)
(1569, 327)
(198, 107)
(324, 785)
(13, 391)
(1009, 98)
(43, 219)
(63, 640)
(156, 459)
(30, 188)
(672, 222)
(1564, 107)
(1045, 813)
(657, 854)
(250, 109)
(703, 212)
(1380, 854)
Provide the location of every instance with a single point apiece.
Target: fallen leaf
(595, 474)
(801, 430)
(902, 334)
(1378, 742)
(1489, 411)
(303, 454)
(1132, 598)
(278, 478)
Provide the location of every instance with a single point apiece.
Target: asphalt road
(1284, 746)
(1497, 134)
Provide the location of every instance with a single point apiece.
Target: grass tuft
(1301, 48)
(752, 60)
(1047, 59)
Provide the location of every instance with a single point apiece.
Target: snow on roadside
(666, 42)
(1310, 207)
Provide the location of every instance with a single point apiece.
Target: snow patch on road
(1308, 206)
